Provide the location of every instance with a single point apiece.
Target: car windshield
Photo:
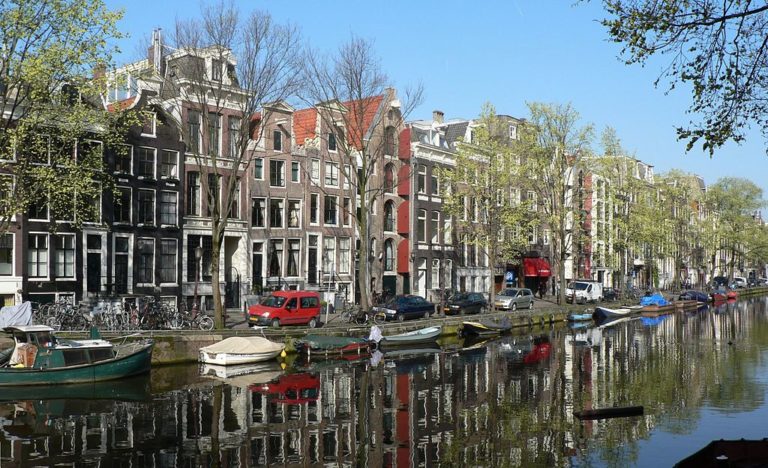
(273, 301)
(578, 286)
(509, 292)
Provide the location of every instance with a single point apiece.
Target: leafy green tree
(51, 110)
(716, 49)
(735, 202)
(553, 146)
(482, 192)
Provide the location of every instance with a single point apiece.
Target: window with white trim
(168, 260)
(314, 208)
(37, 255)
(331, 210)
(329, 255)
(146, 260)
(146, 162)
(294, 213)
(276, 207)
(434, 227)
(331, 174)
(345, 258)
(169, 164)
(421, 226)
(168, 208)
(259, 212)
(124, 159)
(276, 173)
(314, 173)
(422, 179)
(146, 207)
(6, 254)
(258, 169)
(295, 171)
(64, 262)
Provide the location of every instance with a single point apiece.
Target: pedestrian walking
(542, 289)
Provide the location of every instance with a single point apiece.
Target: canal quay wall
(174, 347)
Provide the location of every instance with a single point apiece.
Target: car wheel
(514, 306)
(400, 317)
(312, 323)
(531, 306)
(275, 323)
(461, 311)
(483, 310)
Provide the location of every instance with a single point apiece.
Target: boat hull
(233, 359)
(483, 329)
(603, 313)
(133, 363)
(426, 335)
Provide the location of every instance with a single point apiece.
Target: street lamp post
(198, 256)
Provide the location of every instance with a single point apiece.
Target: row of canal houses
(291, 224)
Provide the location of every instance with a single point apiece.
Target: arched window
(389, 216)
(389, 141)
(389, 255)
(389, 178)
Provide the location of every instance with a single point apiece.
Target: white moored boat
(240, 350)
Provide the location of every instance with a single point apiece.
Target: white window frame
(175, 265)
(159, 205)
(48, 257)
(176, 166)
(153, 117)
(421, 189)
(154, 164)
(326, 258)
(336, 220)
(331, 169)
(314, 170)
(344, 263)
(434, 225)
(297, 172)
(265, 218)
(316, 197)
(421, 234)
(261, 176)
(114, 253)
(283, 220)
(288, 213)
(130, 161)
(13, 254)
(154, 208)
(73, 277)
(154, 260)
(347, 176)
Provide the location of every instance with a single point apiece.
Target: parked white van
(583, 291)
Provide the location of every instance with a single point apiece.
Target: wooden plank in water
(615, 412)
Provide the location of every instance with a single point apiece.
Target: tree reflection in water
(506, 402)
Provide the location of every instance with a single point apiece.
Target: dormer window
(216, 67)
(331, 142)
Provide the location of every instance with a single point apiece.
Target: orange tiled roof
(122, 105)
(368, 107)
(305, 120)
(304, 125)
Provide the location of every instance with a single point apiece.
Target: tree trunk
(363, 255)
(218, 307)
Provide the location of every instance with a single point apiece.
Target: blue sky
(504, 52)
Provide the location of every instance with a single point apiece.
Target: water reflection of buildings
(508, 403)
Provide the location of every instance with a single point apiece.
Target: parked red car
(286, 308)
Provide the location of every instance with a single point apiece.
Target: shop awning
(536, 267)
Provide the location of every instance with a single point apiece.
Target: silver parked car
(514, 298)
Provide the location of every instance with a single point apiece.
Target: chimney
(437, 116)
(155, 51)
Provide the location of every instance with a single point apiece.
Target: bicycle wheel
(379, 318)
(205, 323)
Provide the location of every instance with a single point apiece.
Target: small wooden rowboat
(332, 345)
(423, 335)
(240, 350)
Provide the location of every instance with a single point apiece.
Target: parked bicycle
(193, 319)
(355, 314)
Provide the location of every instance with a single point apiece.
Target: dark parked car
(719, 281)
(406, 307)
(466, 303)
(611, 294)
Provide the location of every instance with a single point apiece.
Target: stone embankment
(174, 347)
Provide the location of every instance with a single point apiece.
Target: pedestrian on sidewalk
(542, 289)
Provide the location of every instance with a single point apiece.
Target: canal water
(508, 402)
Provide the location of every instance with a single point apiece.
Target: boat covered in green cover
(330, 343)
